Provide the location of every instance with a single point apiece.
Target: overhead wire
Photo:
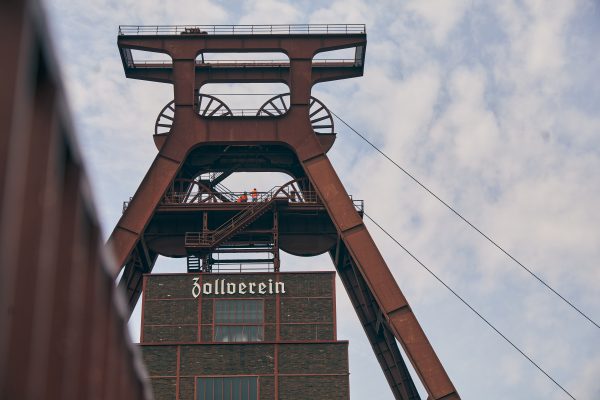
(459, 297)
(459, 215)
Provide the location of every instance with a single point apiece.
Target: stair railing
(291, 192)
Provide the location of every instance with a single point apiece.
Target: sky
(495, 106)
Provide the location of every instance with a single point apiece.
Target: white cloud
(467, 128)
(345, 12)
(536, 34)
(271, 12)
(440, 17)
(588, 379)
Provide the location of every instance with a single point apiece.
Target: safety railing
(126, 204)
(294, 29)
(241, 63)
(293, 197)
(359, 205)
(240, 112)
(275, 62)
(239, 221)
(243, 267)
(191, 199)
(186, 198)
(246, 112)
(260, 202)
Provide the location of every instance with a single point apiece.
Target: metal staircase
(214, 184)
(211, 239)
(224, 240)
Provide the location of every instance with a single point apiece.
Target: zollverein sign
(221, 286)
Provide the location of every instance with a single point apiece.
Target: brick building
(244, 336)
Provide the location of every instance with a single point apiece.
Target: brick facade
(297, 358)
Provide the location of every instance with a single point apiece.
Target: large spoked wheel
(207, 106)
(165, 119)
(210, 106)
(320, 117)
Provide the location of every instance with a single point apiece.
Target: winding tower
(181, 208)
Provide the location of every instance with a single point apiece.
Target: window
(239, 321)
(238, 388)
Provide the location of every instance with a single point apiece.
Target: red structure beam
(380, 304)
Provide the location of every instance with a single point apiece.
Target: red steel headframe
(382, 308)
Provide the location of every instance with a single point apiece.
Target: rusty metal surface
(62, 323)
(377, 330)
(250, 73)
(195, 145)
(370, 265)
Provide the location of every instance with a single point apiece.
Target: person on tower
(245, 197)
(254, 195)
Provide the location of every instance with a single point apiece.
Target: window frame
(260, 325)
(226, 377)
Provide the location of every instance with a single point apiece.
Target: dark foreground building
(62, 321)
(253, 336)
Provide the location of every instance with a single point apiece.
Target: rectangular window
(239, 321)
(234, 388)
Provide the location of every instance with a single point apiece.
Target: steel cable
(470, 307)
(489, 239)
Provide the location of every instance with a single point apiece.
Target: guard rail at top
(318, 62)
(295, 29)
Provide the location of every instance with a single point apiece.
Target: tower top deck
(299, 42)
(228, 30)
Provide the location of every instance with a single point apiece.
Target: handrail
(268, 63)
(274, 61)
(241, 112)
(287, 191)
(278, 29)
(245, 112)
(210, 237)
(178, 198)
(264, 200)
(224, 230)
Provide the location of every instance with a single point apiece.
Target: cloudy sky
(494, 105)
